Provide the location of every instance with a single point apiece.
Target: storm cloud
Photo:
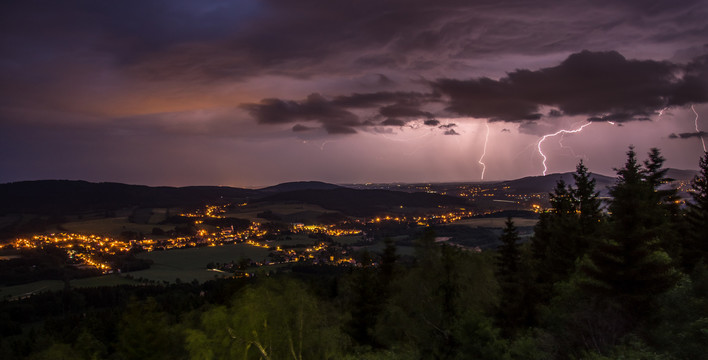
(85, 85)
(337, 116)
(688, 135)
(605, 86)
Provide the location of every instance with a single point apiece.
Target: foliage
(630, 267)
(273, 320)
(432, 300)
(696, 242)
(513, 309)
(145, 332)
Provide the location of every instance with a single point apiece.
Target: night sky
(257, 92)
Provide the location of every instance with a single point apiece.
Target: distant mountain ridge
(71, 196)
(300, 185)
(74, 196)
(540, 184)
(366, 202)
(546, 183)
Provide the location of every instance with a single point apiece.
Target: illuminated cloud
(605, 86)
(337, 115)
(602, 86)
(146, 90)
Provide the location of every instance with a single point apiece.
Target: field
(348, 239)
(190, 264)
(111, 226)
(169, 265)
(54, 285)
(495, 222)
(304, 213)
(379, 247)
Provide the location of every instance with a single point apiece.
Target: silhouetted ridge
(67, 196)
(300, 185)
(366, 202)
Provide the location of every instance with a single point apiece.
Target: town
(97, 250)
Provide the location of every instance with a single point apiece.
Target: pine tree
(664, 208)
(629, 268)
(563, 235)
(558, 239)
(587, 204)
(511, 302)
(695, 247)
(387, 266)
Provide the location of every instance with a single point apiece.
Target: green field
(304, 212)
(190, 264)
(348, 239)
(111, 226)
(31, 288)
(379, 247)
(169, 265)
(495, 222)
(54, 285)
(295, 239)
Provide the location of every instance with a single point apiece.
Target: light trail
(697, 130)
(538, 145)
(481, 162)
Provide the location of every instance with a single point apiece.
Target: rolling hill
(366, 202)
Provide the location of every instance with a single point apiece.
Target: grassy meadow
(190, 264)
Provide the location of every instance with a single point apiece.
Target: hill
(299, 185)
(545, 184)
(366, 202)
(62, 197)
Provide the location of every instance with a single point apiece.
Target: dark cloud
(335, 115)
(384, 81)
(237, 39)
(604, 86)
(451, 132)
(505, 130)
(165, 75)
(315, 108)
(694, 87)
(555, 113)
(370, 100)
(404, 110)
(301, 128)
(688, 135)
(598, 84)
(620, 117)
(393, 122)
(339, 129)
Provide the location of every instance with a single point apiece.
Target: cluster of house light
(88, 249)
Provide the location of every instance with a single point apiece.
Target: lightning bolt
(564, 146)
(661, 112)
(697, 130)
(481, 158)
(538, 145)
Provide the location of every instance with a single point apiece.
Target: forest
(623, 278)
